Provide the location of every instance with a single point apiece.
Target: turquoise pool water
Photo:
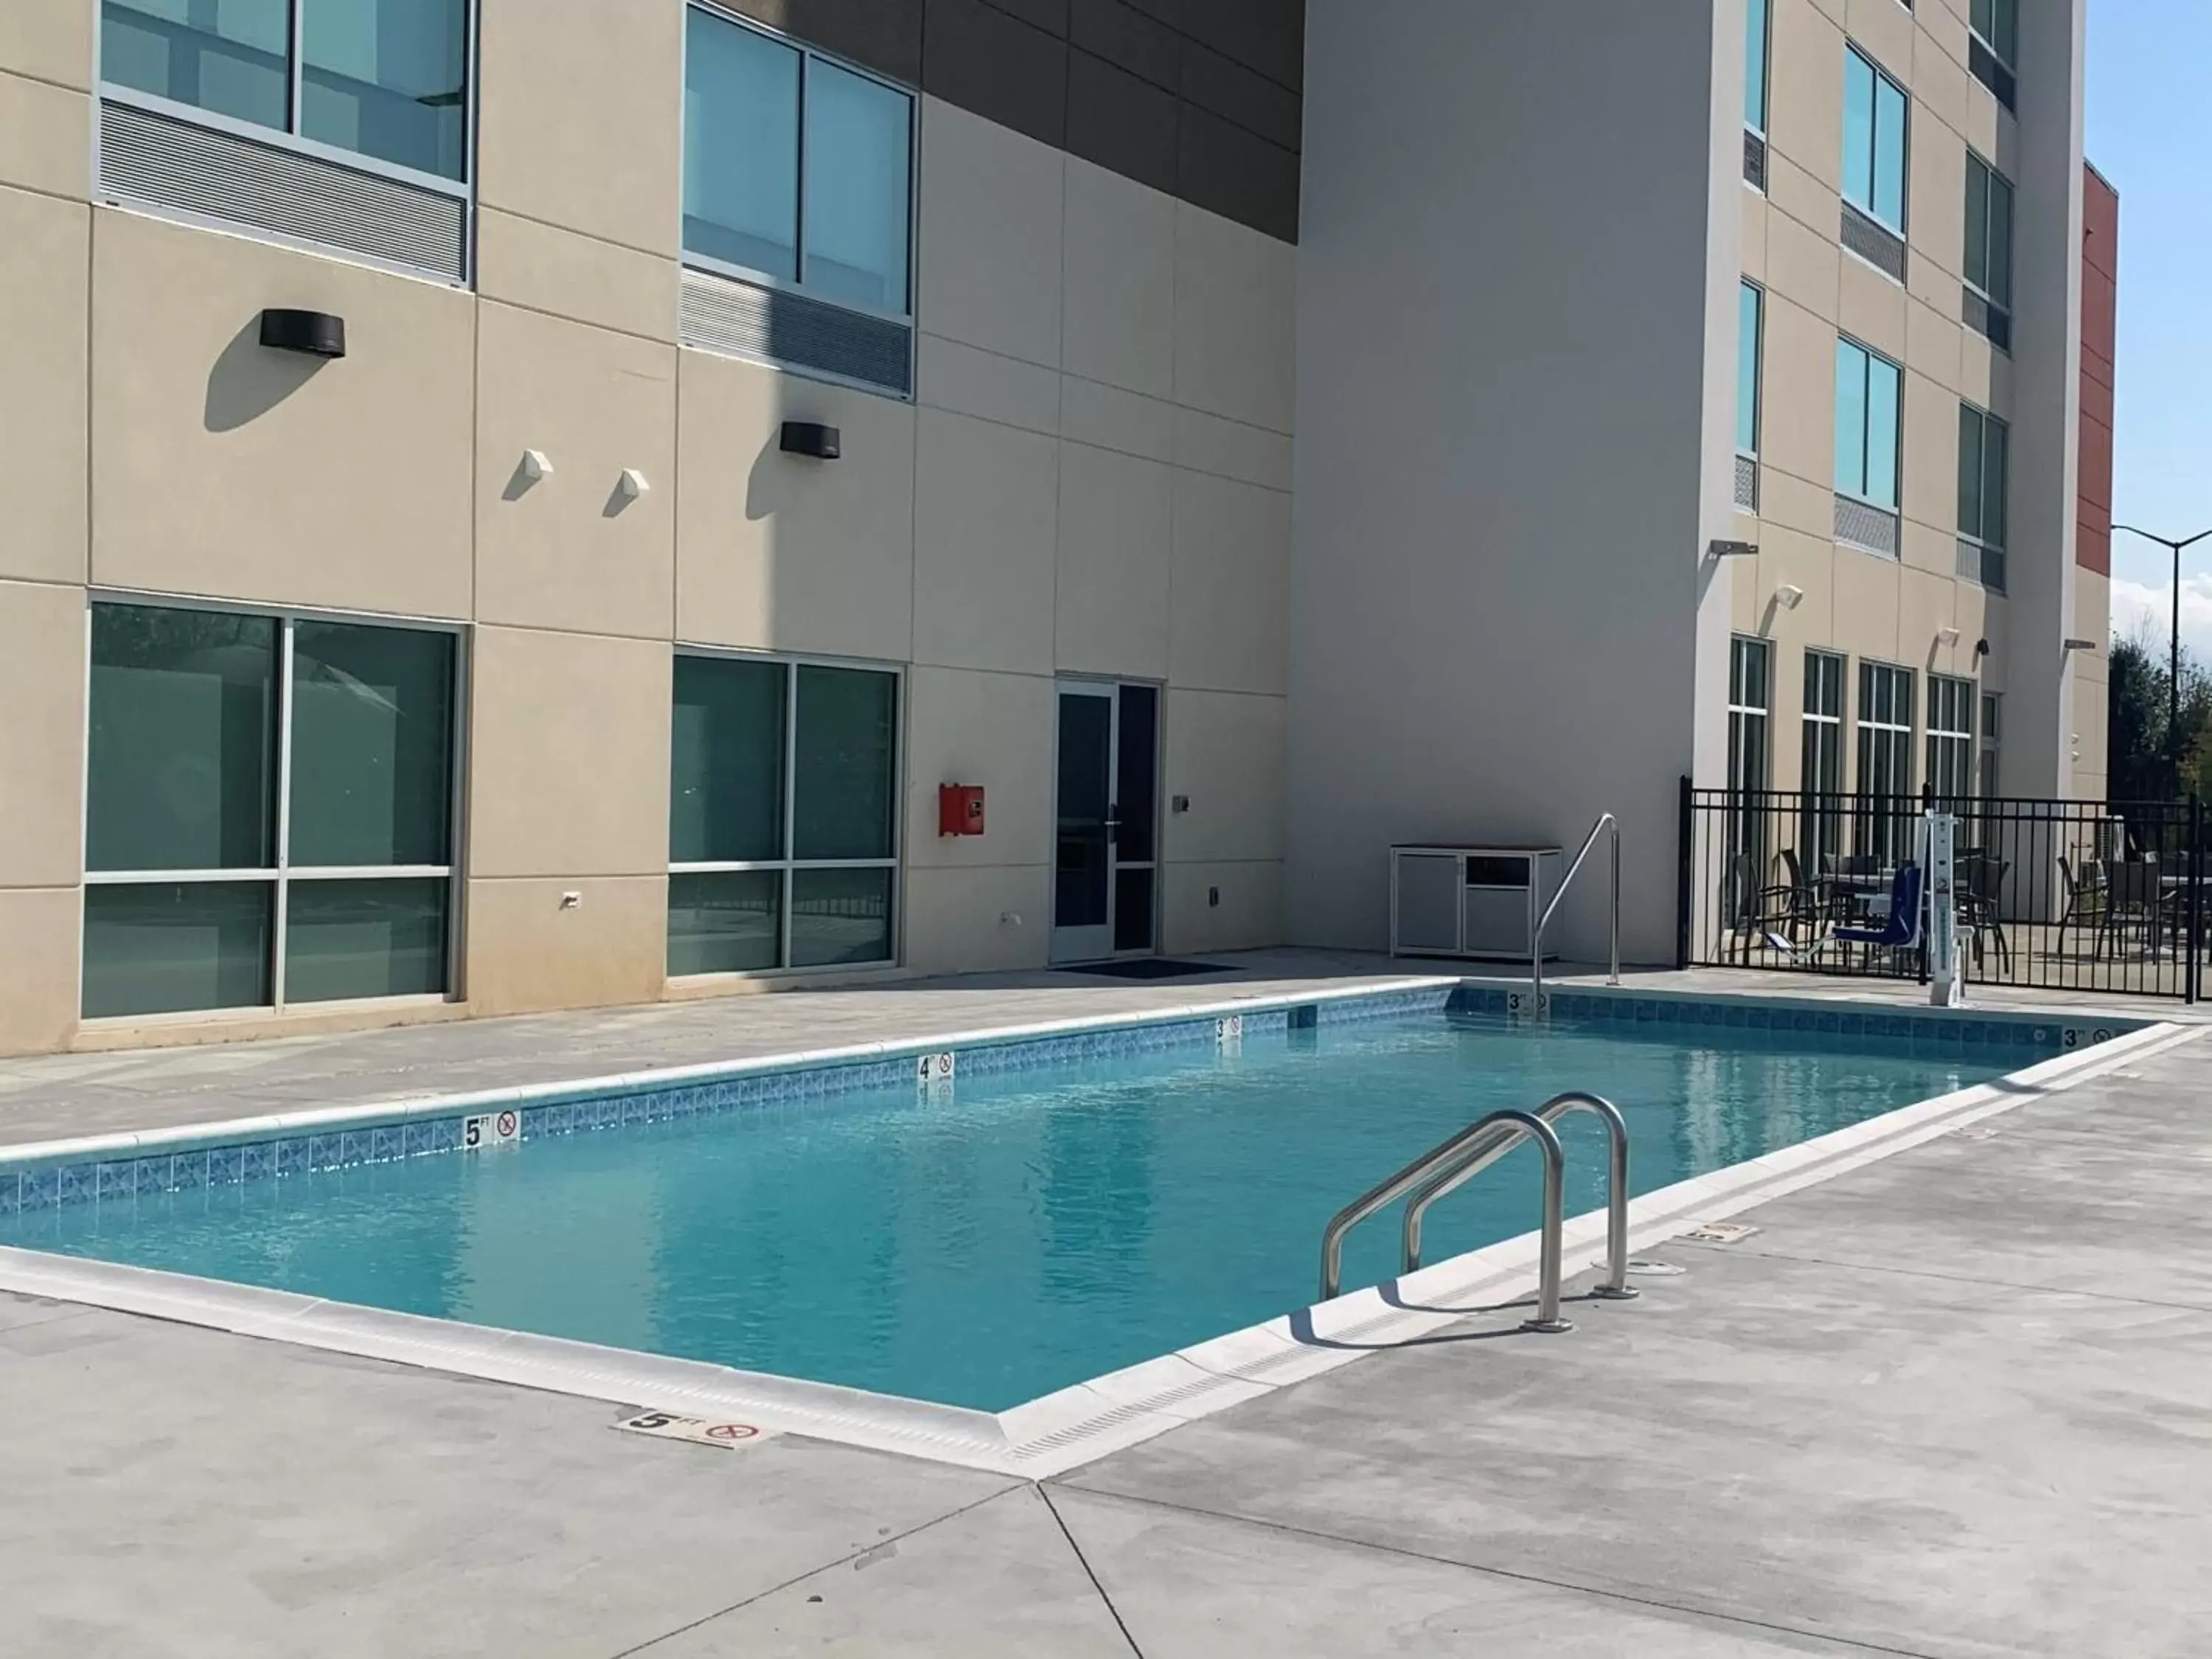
(1026, 1232)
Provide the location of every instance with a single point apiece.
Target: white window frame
(1990, 46)
(1866, 439)
(281, 874)
(1974, 159)
(289, 136)
(790, 866)
(1902, 229)
(1950, 739)
(1743, 713)
(1765, 8)
(811, 55)
(1822, 729)
(1758, 364)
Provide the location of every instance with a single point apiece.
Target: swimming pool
(1053, 1215)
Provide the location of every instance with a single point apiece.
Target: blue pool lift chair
(1900, 929)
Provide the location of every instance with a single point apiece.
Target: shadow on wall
(249, 379)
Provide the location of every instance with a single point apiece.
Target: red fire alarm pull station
(959, 809)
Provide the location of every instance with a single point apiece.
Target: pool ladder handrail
(1482, 1143)
(1605, 820)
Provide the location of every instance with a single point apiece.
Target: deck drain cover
(1650, 1269)
(1719, 1232)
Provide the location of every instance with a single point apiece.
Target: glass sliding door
(268, 810)
(1106, 817)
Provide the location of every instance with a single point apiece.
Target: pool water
(1021, 1233)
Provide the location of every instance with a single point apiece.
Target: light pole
(2173, 661)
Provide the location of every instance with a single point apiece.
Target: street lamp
(2173, 662)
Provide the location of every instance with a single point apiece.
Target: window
(1983, 463)
(1873, 143)
(1749, 303)
(1868, 389)
(1989, 251)
(384, 79)
(795, 169)
(1887, 808)
(1950, 739)
(1992, 44)
(782, 827)
(1821, 776)
(268, 810)
(1992, 710)
(1754, 66)
(1749, 700)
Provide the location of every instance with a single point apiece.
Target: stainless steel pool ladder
(1605, 821)
(1452, 1163)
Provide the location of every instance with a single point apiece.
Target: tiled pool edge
(1078, 1424)
(128, 1165)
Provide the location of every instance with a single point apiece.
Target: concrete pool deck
(1950, 1403)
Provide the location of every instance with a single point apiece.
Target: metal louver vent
(720, 313)
(1992, 323)
(1864, 525)
(164, 162)
(1754, 160)
(1747, 482)
(1882, 248)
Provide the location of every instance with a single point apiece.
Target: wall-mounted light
(1981, 648)
(811, 438)
(535, 465)
(632, 484)
(1789, 596)
(312, 333)
(1947, 637)
(1719, 549)
(2080, 644)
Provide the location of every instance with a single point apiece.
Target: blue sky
(2150, 133)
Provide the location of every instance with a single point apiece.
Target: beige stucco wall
(1857, 603)
(1093, 479)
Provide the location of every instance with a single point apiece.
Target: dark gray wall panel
(1123, 123)
(994, 65)
(883, 35)
(1199, 98)
(1238, 174)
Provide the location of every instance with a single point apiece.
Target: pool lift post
(1947, 986)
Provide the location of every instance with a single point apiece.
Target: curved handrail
(1387, 1191)
(1473, 1158)
(1605, 820)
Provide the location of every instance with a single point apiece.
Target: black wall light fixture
(811, 438)
(316, 333)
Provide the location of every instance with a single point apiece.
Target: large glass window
(1992, 709)
(1750, 302)
(1821, 775)
(1997, 22)
(1873, 142)
(794, 167)
(1754, 66)
(268, 810)
(1869, 396)
(1989, 232)
(1950, 739)
(1983, 441)
(1887, 809)
(387, 79)
(1750, 682)
(783, 818)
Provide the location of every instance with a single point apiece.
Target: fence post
(2193, 974)
(1685, 835)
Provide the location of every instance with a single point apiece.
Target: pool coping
(1073, 1425)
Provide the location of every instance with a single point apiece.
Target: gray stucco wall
(1518, 272)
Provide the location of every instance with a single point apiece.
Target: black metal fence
(2052, 895)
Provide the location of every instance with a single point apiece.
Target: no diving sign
(705, 1431)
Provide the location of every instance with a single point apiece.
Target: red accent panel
(2100, 297)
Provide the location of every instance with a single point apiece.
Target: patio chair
(2134, 898)
(2085, 899)
(1979, 905)
(1770, 914)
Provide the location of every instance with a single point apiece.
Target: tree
(2144, 764)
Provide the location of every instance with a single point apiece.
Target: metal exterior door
(1105, 821)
